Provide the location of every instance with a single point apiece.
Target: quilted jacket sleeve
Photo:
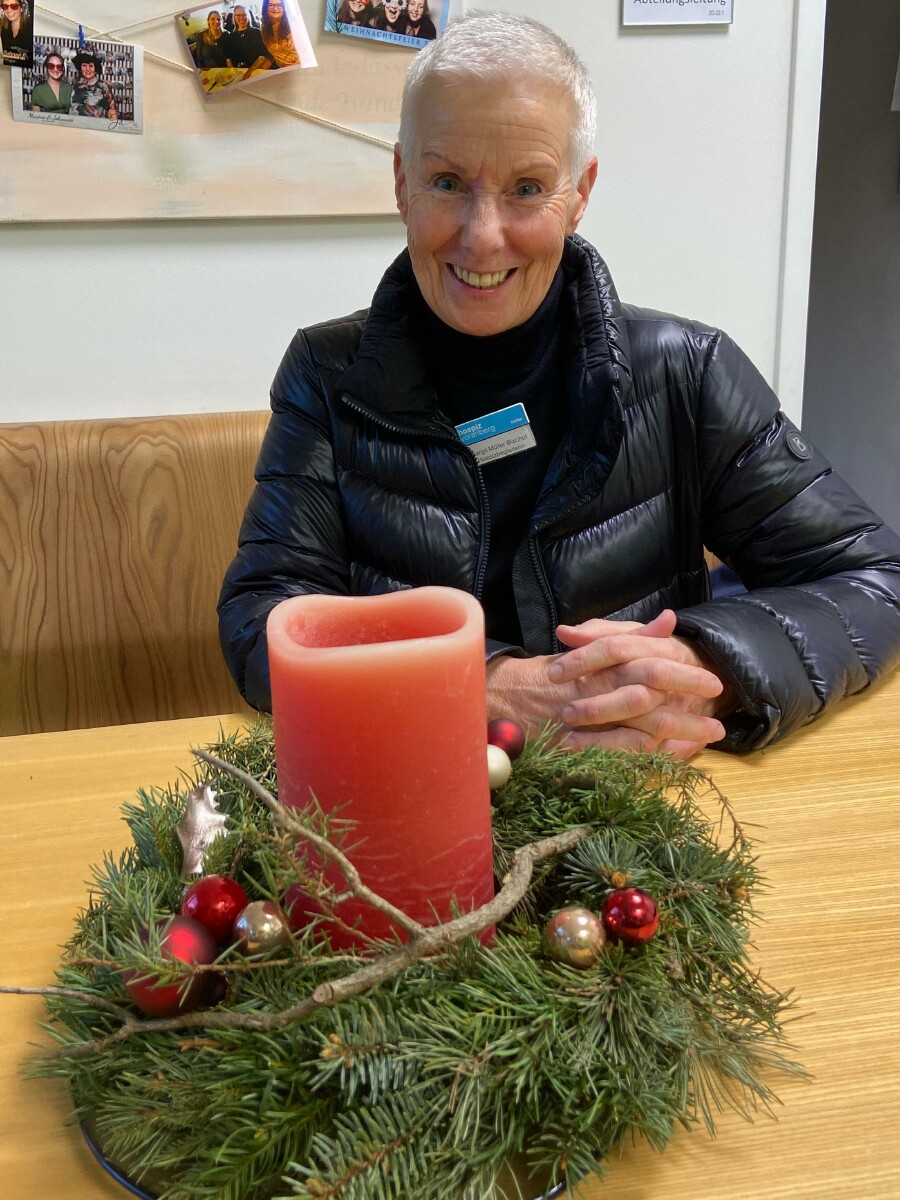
(292, 540)
(821, 617)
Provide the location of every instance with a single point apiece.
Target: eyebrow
(531, 168)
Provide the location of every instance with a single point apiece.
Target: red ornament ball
(187, 941)
(630, 916)
(214, 901)
(508, 735)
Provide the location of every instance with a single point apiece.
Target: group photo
(234, 44)
(409, 22)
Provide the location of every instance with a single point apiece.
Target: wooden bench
(114, 537)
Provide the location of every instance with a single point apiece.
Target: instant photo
(98, 85)
(232, 45)
(17, 32)
(412, 23)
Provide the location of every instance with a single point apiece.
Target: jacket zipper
(457, 446)
(541, 576)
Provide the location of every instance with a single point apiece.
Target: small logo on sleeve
(798, 446)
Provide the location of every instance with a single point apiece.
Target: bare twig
(89, 999)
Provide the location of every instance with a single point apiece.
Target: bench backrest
(114, 537)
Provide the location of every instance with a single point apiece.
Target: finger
(681, 750)
(662, 625)
(613, 708)
(675, 724)
(611, 651)
(589, 631)
(622, 737)
(664, 724)
(669, 675)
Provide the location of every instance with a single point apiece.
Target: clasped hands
(623, 685)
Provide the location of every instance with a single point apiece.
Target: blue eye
(447, 183)
(528, 189)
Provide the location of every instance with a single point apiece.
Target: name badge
(497, 434)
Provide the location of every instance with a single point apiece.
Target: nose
(482, 235)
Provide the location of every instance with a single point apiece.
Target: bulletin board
(311, 143)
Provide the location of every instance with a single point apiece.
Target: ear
(400, 184)
(582, 194)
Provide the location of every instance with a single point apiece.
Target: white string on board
(112, 35)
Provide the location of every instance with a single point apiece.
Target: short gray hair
(495, 45)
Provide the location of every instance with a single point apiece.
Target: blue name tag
(492, 423)
(497, 434)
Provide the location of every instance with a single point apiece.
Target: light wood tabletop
(825, 810)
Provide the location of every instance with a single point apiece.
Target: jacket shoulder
(657, 337)
(333, 344)
(316, 357)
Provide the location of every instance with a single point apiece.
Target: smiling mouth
(473, 279)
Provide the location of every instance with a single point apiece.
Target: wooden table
(827, 807)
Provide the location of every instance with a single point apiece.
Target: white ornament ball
(499, 767)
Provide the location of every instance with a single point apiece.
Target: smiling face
(241, 20)
(415, 9)
(392, 10)
(88, 72)
(488, 198)
(357, 6)
(214, 24)
(55, 67)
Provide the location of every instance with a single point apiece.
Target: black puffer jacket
(676, 443)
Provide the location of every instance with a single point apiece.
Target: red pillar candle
(379, 712)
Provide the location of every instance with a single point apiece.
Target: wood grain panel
(114, 537)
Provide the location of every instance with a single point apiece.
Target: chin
(479, 320)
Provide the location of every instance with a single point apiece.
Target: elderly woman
(639, 438)
(54, 93)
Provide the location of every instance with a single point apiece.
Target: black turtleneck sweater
(473, 376)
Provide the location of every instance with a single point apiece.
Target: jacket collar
(389, 375)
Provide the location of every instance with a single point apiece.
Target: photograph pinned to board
(231, 45)
(81, 85)
(412, 23)
(17, 32)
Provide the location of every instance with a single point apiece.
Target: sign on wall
(677, 12)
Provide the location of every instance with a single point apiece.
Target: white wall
(193, 316)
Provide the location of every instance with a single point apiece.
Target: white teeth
(473, 279)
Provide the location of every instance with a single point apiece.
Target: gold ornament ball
(499, 767)
(260, 928)
(576, 937)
